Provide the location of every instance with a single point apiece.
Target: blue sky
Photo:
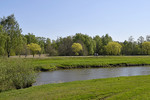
(60, 18)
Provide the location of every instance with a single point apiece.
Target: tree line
(13, 42)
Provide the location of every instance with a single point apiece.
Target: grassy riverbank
(54, 63)
(120, 88)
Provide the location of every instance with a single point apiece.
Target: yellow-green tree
(76, 48)
(34, 48)
(146, 47)
(113, 48)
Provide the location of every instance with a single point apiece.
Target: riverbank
(54, 63)
(119, 88)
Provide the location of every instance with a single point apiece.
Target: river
(68, 75)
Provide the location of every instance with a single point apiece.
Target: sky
(60, 18)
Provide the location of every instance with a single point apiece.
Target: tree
(113, 48)
(131, 39)
(105, 40)
(88, 43)
(76, 48)
(99, 44)
(2, 41)
(47, 45)
(51, 51)
(31, 38)
(148, 38)
(20, 45)
(140, 41)
(42, 42)
(34, 48)
(146, 47)
(131, 44)
(65, 44)
(50, 48)
(12, 33)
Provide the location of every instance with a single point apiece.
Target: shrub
(15, 74)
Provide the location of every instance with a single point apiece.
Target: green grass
(54, 63)
(120, 88)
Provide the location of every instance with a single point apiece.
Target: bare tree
(140, 40)
(148, 38)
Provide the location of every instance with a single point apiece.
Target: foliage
(51, 51)
(12, 42)
(12, 33)
(113, 48)
(99, 44)
(30, 38)
(146, 47)
(2, 41)
(47, 45)
(34, 48)
(15, 74)
(64, 46)
(76, 47)
(89, 43)
(105, 40)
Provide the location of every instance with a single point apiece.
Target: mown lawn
(54, 63)
(120, 88)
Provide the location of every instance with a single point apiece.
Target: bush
(15, 74)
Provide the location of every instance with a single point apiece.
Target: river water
(68, 75)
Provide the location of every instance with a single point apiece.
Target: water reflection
(88, 73)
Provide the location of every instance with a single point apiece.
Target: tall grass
(15, 74)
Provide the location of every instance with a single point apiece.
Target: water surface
(68, 75)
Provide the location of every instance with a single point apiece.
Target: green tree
(65, 44)
(88, 43)
(146, 47)
(47, 45)
(140, 41)
(31, 38)
(127, 48)
(105, 40)
(113, 48)
(2, 41)
(99, 44)
(51, 51)
(50, 48)
(20, 45)
(12, 33)
(41, 41)
(34, 48)
(76, 48)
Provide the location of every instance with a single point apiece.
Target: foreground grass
(54, 63)
(120, 88)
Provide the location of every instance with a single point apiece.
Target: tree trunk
(8, 54)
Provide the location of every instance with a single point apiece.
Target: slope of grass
(120, 88)
(54, 63)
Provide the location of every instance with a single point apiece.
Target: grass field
(120, 88)
(53, 63)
